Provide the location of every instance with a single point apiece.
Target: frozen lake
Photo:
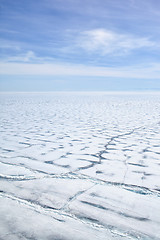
(81, 166)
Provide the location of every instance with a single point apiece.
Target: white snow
(80, 166)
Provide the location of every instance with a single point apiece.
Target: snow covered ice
(80, 166)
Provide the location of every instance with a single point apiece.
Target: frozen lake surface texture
(80, 166)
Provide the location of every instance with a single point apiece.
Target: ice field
(81, 166)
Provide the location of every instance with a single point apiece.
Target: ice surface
(80, 166)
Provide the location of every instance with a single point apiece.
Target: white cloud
(147, 72)
(107, 42)
(25, 57)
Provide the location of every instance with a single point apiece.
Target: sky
(79, 45)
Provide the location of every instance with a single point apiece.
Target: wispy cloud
(29, 56)
(9, 45)
(105, 42)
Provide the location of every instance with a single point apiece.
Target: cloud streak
(146, 72)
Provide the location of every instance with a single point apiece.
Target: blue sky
(70, 45)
